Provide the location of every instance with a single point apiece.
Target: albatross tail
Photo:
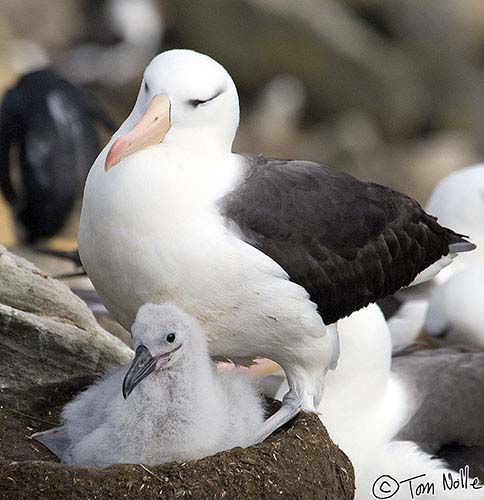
(457, 243)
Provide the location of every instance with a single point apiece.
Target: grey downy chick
(170, 404)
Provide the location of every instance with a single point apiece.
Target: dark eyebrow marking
(197, 102)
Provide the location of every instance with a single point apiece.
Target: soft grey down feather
(184, 411)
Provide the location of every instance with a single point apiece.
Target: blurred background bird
(51, 126)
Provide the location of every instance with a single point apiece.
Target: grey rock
(46, 332)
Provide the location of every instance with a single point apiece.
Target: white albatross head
(186, 98)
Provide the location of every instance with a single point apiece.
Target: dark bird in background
(52, 125)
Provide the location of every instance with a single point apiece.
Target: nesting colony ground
(298, 462)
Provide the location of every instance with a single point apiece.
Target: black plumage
(347, 242)
(52, 123)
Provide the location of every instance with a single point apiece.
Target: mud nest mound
(300, 461)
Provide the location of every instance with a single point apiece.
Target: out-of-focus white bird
(368, 404)
(176, 406)
(455, 315)
(458, 202)
(27, 56)
(407, 322)
(140, 26)
(273, 124)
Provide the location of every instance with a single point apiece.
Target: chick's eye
(170, 337)
(146, 87)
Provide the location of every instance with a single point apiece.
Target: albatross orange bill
(150, 130)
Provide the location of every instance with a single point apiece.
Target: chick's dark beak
(143, 364)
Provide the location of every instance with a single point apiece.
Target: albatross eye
(171, 338)
(198, 102)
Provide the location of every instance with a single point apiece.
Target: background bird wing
(447, 395)
(346, 242)
(95, 108)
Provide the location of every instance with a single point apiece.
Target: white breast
(151, 231)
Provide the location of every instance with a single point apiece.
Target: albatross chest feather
(164, 239)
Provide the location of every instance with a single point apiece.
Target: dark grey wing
(347, 242)
(446, 394)
(9, 127)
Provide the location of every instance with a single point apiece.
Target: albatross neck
(209, 141)
(183, 381)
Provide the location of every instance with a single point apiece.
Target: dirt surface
(298, 462)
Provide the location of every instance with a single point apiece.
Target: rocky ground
(46, 332)
(51, 348)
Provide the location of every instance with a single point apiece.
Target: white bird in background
(27, 56)
(407, 323)
(264, 253)
(123, 62)
(273, 124)
(176, 406)
(458, 202)
(455, 314)
(378, 415)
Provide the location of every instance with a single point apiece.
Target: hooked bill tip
(113, 157)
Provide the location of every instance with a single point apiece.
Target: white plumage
(458, 202)
(367, 404)
(182, 410)
(119, 64)
(455, 313)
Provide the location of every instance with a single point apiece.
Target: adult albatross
(264, 253)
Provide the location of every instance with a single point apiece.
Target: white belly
(147, 236)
